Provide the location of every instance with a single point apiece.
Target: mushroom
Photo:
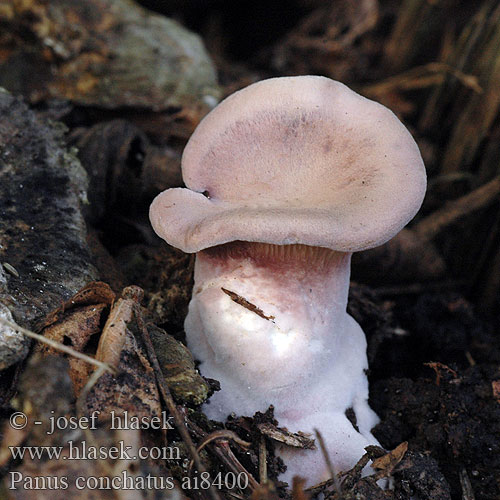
(285, 179)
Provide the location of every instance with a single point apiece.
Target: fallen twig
(420, 77)
(169, 401)
(224, 453)
(214, 436)
(295, 439)
(481, 197)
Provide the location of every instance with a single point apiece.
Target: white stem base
(300, 352)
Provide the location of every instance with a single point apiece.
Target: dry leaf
(114, 333)
(78, 321)
(94, 293)
(75, 328)
(178, 368)
(390, 460)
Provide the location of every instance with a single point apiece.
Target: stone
(43, 249)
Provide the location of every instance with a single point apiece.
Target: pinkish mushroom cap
(294, 160)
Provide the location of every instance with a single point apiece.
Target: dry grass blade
(409, 31)
(420, 77)
(476, 115)
(467, 491)
(169, 401)
(313, 33)
(10, 269)
(481, 197)
(329, 464)
(235, 495)
(58, 346)
(459, 57)
(262, 460)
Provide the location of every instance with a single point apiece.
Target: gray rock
(43, 251)
(12, 344)
(105, 53)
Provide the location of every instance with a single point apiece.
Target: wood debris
(297, 439)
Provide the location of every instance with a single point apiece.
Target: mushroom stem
(270, 323)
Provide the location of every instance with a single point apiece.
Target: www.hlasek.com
(81, 450)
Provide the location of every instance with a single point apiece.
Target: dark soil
(436, 390)
(433, 345)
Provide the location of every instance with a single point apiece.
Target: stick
(169, 401)
(262, 460)
(225, 455)
(331, 468)
(481, 197)
(214, 436)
